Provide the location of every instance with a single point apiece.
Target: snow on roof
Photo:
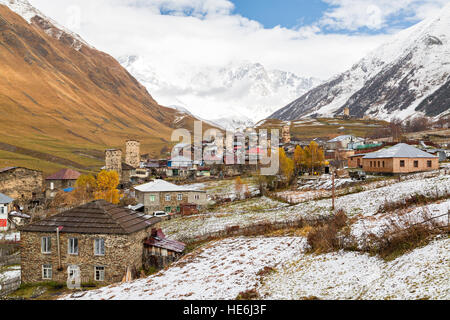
(401, 150)
(341, 138)
(163, 186)
(4, 199)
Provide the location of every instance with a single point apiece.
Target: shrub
(413, 200)
(397, 240)
(325, 238)
(248, 295)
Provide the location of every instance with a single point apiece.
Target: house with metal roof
(5, 209)
(160, 195)
(64, 179)
(98, 241)
(401, 158)
(160, 251)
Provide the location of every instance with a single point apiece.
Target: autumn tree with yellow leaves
(286, 167)
(313, 157)
(86, 186)
(107, 182)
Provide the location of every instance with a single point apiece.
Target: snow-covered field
(321, 188)
(223, 189)
(375, 225)
(420, 274)
(220, 270)
(223, 269)
(364, 203)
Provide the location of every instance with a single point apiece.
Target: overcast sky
(309, 37)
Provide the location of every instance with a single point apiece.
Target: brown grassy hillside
(57, 102)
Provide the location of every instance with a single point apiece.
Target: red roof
(65, 174)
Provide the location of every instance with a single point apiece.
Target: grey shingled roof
(401, 150)
(98, 217)
(4, 199)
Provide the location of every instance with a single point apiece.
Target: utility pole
(333, 192)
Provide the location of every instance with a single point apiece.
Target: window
(2, 210)
(46, 245)
(429, 164)
(197, 197)
(371, 164)
(178, 209)
(168, 209)
(99, 247)
(73, 271)
(383, 164)
(180, 197)
(99, 273)
(168, 197)
(47, 271)
(379, 164)
(152, 198)
(402, 163)
(416, 164)
(73, 246)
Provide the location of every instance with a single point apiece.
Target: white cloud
(376, 14)
(195, 35)
(212, 36)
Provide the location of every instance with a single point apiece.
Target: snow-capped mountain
(405, 77)
(236, 95)
(24, 9)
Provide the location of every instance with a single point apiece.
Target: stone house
(22, 184)
(160, 195)
(61, 180)
(101, 240)
(5, 209)
(401, 158)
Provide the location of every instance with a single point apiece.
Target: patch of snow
(220, 270)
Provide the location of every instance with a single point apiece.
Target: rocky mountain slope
(62, 97)
(236, 95)
(407, 76)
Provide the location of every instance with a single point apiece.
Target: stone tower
(113, 160)
(286, 134)
(346, 112)
(133, 153)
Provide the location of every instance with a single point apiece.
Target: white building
(5, 208)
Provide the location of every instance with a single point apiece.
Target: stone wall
(132, 153)
(121, 251)
(113, 161)
(9, 286)
(21, 184)
(160, 203)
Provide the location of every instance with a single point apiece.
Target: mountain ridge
(63, 97)
(392, 81)
(237, 94)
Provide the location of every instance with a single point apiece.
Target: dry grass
(248, 295)
(325, 238)
(397, 239)
(413, 200)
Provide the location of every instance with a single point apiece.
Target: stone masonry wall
(132, 153)
(121, 251)
(21, 183)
